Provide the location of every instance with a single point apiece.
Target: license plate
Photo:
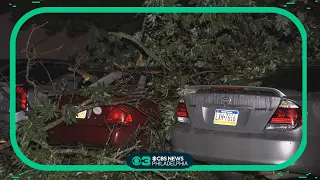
(82, 114)
(226, 117)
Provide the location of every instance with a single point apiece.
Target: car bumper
(21, 115)
(229, 148)
(93, 136)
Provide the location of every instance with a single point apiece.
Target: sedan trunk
(233, 109)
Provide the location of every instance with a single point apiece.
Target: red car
(108, 125)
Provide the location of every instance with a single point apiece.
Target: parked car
(60, 77)
(112, 125)
(241, 124)
(109, 125)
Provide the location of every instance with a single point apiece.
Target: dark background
(71, 30)
(62, 28)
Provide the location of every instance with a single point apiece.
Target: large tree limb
(137, 42)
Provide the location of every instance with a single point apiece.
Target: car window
(4, 76)
(4, 62)
(6, 72)
(20, 73)
(37, 73)
(40, 76)
(43, 75)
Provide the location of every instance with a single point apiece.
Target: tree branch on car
(137, 42)
(32, 54)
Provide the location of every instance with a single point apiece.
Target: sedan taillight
(21, 98)
(118, 115)
(182, 113)
(287, 116)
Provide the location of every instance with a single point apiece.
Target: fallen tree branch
(29, 38)
(137, 42)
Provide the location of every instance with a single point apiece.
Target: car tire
(4, 129)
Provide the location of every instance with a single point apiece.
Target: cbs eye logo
(144, 161)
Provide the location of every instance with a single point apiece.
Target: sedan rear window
(37, 73)
(44, 76)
